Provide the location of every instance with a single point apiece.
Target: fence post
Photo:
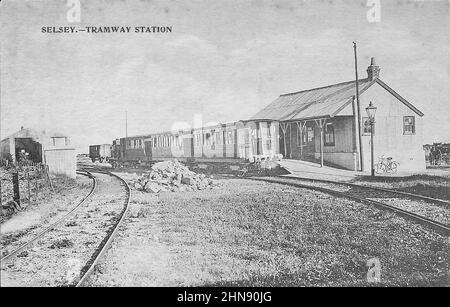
(36, 186)
(48, 177)
(28, 185)
(15, 181)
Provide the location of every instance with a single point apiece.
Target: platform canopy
(314, 103)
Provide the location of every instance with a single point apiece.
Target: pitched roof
(35, 134)
(320, 102)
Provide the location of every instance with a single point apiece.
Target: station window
(309, 134)
(409, 125)
(329, 135)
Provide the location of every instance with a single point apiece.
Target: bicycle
(386, 165)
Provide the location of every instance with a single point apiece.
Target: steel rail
(442, 228)
(56, 223)
(412, 195)
(104, 245)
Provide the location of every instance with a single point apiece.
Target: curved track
(56, 223)
(100, 251)
(104, 227)
(295, 182)
(406, 194)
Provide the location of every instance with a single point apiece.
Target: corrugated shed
(314, 103)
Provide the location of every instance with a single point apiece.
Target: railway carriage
(101, 153)
(221, 142)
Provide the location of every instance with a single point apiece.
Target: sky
(222, 62)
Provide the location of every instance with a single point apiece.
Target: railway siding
(57, 258)
(434, 212)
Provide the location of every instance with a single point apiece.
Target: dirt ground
(247, 233)
(42, 211)
(57, 258)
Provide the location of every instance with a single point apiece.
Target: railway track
(405, 194)
(47, 229)
(89, 229)
(90, 266)
(384, 199)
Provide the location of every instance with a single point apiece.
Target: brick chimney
(373, 71)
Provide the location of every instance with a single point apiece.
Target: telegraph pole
(358, 106)
(126, 124)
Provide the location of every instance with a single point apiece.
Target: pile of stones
(171, 176)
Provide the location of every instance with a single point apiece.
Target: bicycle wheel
(380, 168)
(393, 167)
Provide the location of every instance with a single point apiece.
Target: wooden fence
(27, 181)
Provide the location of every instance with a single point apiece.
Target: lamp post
(371, 110)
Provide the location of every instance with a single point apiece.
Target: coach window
(217, 138)
(409, 125)
(329, 135)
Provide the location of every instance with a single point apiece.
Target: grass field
(247, 233)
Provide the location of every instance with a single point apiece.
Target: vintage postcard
(252, 144)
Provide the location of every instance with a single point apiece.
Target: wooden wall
(61, 161)
(389, 140)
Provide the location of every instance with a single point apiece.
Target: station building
(325, 123)
(53, 149)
